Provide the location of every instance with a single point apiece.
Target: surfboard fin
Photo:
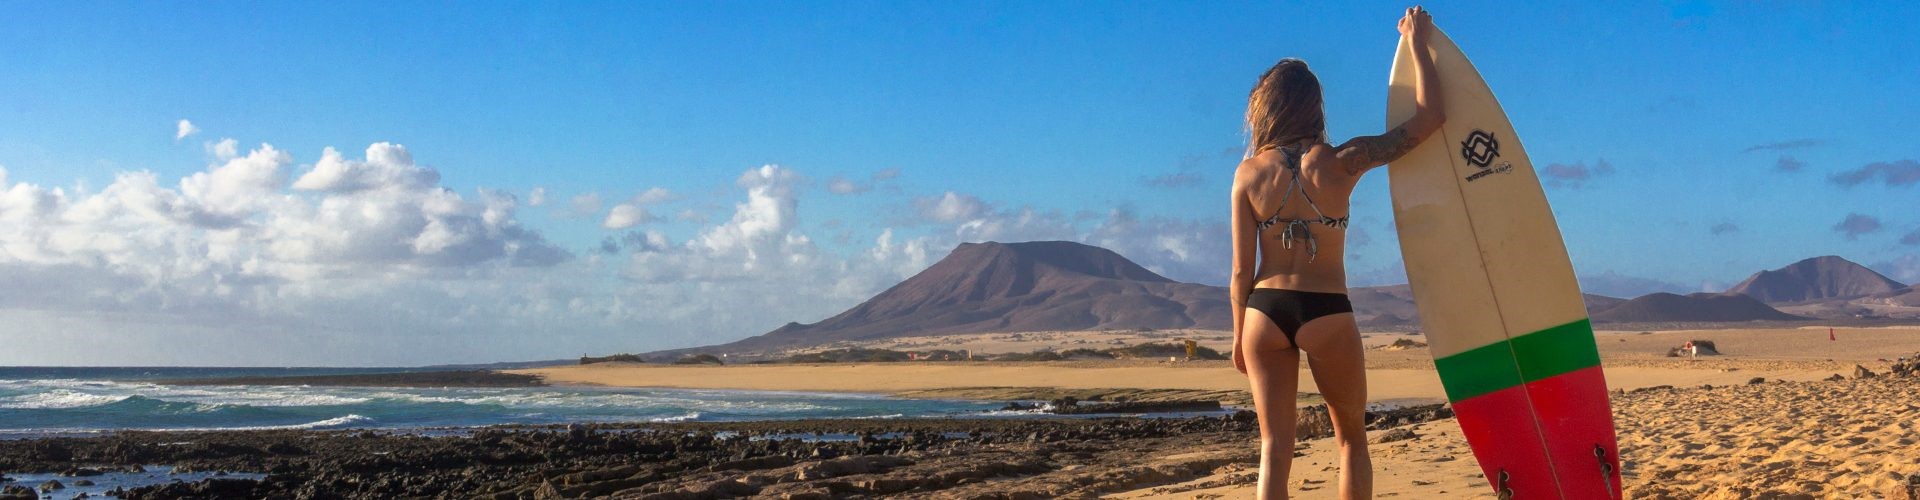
(1606, 468)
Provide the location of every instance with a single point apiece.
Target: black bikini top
(1290, 158)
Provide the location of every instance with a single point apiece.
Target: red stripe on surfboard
(1575, 414)
(1500, 428)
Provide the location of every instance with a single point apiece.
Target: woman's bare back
(1317, 264)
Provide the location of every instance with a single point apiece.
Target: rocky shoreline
(947, 458)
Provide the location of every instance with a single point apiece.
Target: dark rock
(17, 492)
(1313, 422)
(678, 460)
(83, 482)
(1019, 406)
(51, 485)
(1905, 367)
(1862, 372)
(1836, 377)
(1395, 434)
(1756, 380)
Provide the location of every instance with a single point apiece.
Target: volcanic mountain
(1701, 307)
(1818, 278)
(1017, 287)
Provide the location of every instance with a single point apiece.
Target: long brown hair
(1285, 108)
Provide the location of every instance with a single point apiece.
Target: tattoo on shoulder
(1363, 153)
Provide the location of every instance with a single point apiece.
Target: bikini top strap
(1292, 164)
(1298, 171)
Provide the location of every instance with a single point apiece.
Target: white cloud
(537, 197)
(1182, 249)
(242, 185)
(634, 212)
(183, 130)
(363, 261)
(761, 235)
(232, 258)
(224, 149)
(370, 261)
(387, 166)
(233, 234)
(951, 207)
(627, 215)
(653, 196)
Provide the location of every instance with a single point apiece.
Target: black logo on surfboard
(1480, 148)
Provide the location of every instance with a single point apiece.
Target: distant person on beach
(1290, 200)
(1693, 351)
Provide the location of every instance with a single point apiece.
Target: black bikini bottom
(1292, 308)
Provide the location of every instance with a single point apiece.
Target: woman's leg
(1339, 368)
(1273, 368)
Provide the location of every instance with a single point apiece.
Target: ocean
(39, 402)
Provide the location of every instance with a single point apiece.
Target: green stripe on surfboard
(1518, 360)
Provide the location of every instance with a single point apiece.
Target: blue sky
(1730, 136)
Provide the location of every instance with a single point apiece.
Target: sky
(381, 183)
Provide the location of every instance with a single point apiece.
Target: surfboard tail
(1574, 408)
(1534, 409)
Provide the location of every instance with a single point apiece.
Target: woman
(1290, 201)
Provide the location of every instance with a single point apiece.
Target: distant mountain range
(1059, 285)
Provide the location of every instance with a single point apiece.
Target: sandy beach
(1688, 428)
(1634, 360)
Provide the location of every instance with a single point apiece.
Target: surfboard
(1496, 293)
